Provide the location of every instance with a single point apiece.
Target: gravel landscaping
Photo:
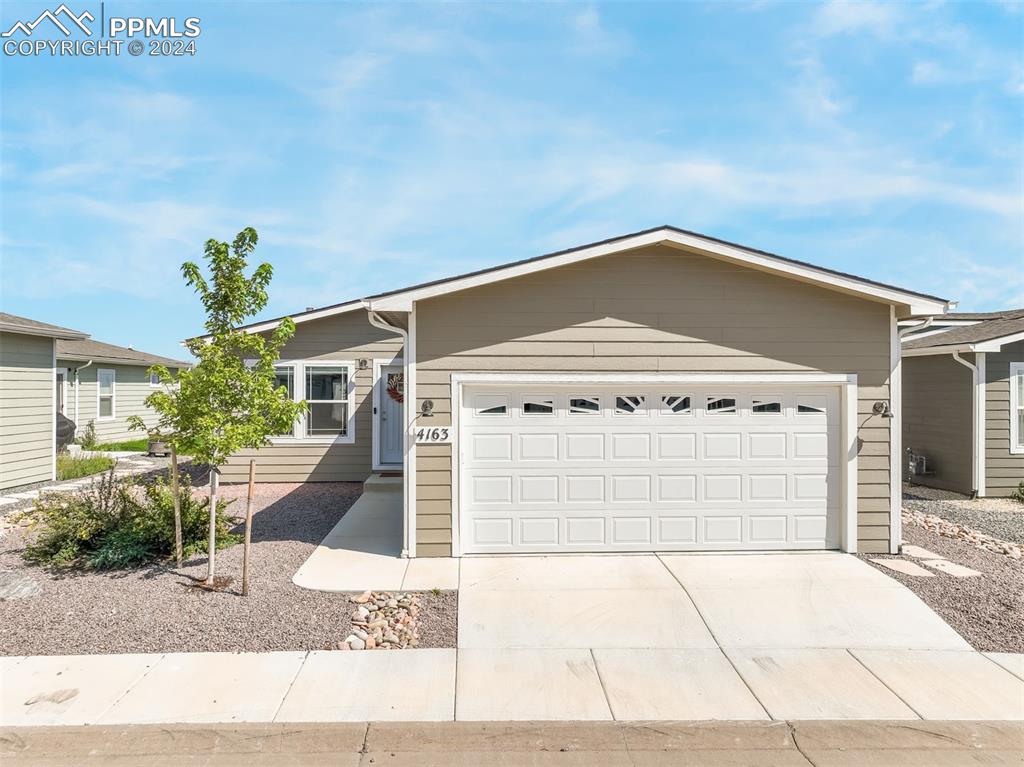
(1001, 518)
(158, 609)
(986, 610)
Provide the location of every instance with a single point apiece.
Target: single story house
(663, 390)
(963, 394)
(28, 399)
(104, 385)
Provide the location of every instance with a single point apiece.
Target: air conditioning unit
(917, 464)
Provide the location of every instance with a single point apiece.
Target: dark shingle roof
(97, 350)
(1006, 323)
(15, 324)
(1001, 315)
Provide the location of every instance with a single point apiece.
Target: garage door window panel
(534, 406)
(677, 404)
(720, 405)
(766, 405)
(584, 405)
(630, 404)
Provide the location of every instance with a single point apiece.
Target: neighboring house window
(329, 390)
(154, 379)
(1017, 407)
(105, 385)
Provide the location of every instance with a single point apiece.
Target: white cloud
(847, 16)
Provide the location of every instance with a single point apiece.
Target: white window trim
(298, 435)
(63, 389)
(1016, 448)
(113, 394)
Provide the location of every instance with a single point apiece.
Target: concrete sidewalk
(463, 685)
(570, 744)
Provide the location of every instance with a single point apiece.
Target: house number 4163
(436, 435)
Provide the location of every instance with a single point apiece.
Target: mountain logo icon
(54, 17)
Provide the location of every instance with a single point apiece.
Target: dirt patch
(149, 610)
(988, 610)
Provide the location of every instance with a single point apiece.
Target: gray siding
(1003, 470)
(937, 421)
(26, 409)
(653, 309)
(347, 336)
(131, 387)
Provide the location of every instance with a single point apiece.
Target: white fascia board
(916, 304)
(301, 317)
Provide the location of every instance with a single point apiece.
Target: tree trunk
(248, 529)
(210, 567)
(177, 505)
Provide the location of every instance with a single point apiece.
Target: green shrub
(1018, 494)
(134, 446)
(87, 436)
(115, 524)
(75, 466)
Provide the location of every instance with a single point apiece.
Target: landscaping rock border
(948, 529)
(383, 621)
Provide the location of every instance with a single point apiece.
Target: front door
(392, 384)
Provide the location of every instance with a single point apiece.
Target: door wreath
(396, 386)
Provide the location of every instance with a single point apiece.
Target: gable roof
(401, 300)
(12, 323)
(922, 303)
(989, 334)
(86, 349)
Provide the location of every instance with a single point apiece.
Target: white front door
(644, 468)
(389, 414)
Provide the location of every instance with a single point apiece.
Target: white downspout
(977, 426)
(379, 322)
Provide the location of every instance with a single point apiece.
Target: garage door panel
(601, 469)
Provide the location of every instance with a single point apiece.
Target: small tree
(229, 401)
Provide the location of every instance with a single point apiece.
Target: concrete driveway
(777, 636)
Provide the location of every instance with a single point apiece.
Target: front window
(105, 384)
(327, 397)
(1017, 407)
(327, 388)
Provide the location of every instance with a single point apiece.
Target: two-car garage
(549, 466)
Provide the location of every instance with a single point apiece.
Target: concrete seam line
(1001, 667)
(882, 681)
(455, 678)
(130, 687)
(365, 748)
(600, 681)
(721, 649)
(291, 684)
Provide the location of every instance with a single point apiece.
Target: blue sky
(377, 146)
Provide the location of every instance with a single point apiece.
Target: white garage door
(637, 468)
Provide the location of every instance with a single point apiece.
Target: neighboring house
(28, 399)
(963, 395)
(106, 384)
(658, 391)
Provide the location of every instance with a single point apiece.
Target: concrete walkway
(363, 551)
(576, 744)
(127, 465)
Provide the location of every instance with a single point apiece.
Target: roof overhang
(71, 335)
(989, 345)
(907, 303)
(122, 361)
(298, 317)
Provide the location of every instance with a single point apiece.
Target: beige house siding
(348, 336)
(1003, 469)
(131, 387)
(937, 420)
(652, 310)
(26, 409)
